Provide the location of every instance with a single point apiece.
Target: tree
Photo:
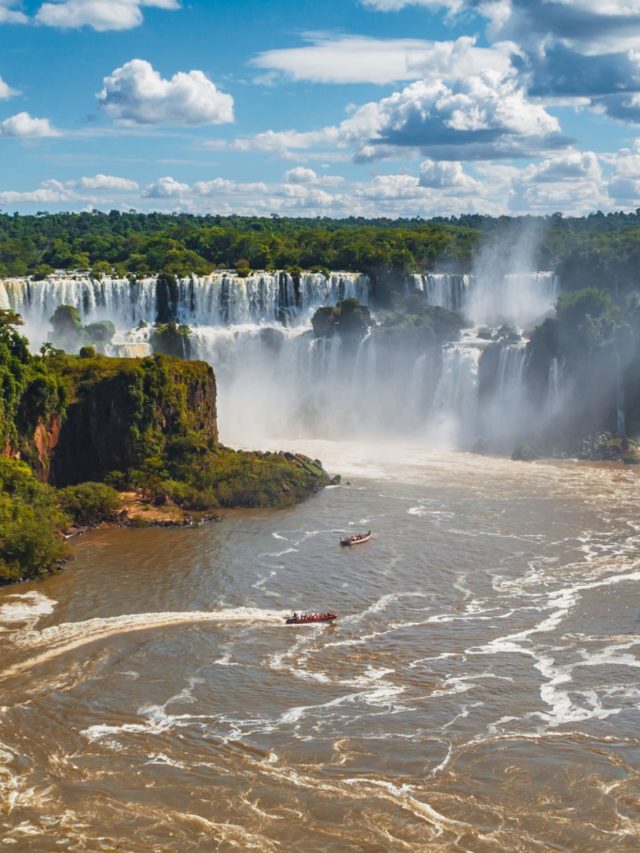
(68, 331)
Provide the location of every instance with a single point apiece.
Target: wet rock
(524, 453)
(272, 339)
(481, 446)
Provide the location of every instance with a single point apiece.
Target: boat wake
(59, 639)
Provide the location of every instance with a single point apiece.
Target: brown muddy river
(479, 691)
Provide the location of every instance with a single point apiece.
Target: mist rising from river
(276, 380)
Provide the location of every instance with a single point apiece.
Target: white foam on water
(381, 604)
(26, 607)
(60, 639)
(554, 691)
(225, 660)
(425, 512)
(157, 720)
(419, 511)
(463, 683)
(403, 795)
(381, 696)
(260, 584)
(161, 758)
(278, 553)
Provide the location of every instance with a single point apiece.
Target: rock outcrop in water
(349, 320)
(170, 339)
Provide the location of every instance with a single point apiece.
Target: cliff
(150, 424)
(146, 425)
(121, 411)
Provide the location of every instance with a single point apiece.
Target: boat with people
(356, 539)
(309, 618)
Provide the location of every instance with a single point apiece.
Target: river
(478, 692)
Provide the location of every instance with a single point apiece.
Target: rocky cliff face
(123, 410)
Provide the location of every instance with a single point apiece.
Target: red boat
(309, 618)
(356, 539)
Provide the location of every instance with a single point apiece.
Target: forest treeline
(600, 249)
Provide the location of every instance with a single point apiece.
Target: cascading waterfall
(276, 380)
(621, 426)
(125, 303)
(518, 299)
(455, 404)
(554, 400)
(445, 290)
(219, 299)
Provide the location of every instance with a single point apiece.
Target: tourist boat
(356, 539)
(308, 618)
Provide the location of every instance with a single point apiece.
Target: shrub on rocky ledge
(90, 503)
(30, 524)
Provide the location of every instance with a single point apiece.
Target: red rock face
(45, 441)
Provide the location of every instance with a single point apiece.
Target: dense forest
(585, 251)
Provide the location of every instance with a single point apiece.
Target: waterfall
(553, 385)
(219, 299)
(276, 380)
(445, 290)
(518, 299)
(621, 426)
(510, 371)
(455, 404)
(505, 414)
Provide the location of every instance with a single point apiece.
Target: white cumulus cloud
(300, 175)
(570, 181)
(51, 191)
(395, 5)
(6, 91)
(106, 182)
(624, 184)
(10, 15)
(484, 117)
(23, 125)
(166, 188)
(136, 93)
(100, 15)
(447, 175)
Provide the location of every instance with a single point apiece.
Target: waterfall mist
(276, 381)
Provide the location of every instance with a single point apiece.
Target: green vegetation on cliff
(349, 320)
(69, 334)
(147, 424)
(32, 395)
(30, 524)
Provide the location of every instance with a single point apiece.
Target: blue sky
(363, 107)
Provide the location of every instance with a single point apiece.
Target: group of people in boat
(356, 538)
(303, 618)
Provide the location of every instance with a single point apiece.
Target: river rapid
(479, 691)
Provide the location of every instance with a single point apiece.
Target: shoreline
(138, 514)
